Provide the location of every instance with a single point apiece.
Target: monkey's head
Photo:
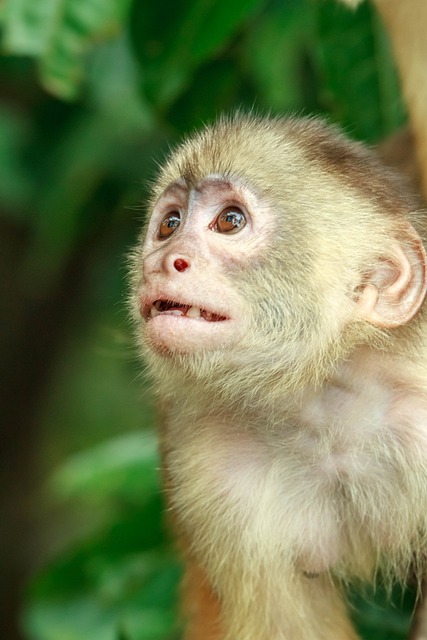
(272, 248)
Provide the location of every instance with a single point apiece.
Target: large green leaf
(136, 602)
(172, 39)
(216, 87)
(274, 52)
(87, 564)
(59, 33)
(121, 581)
(358, 77)
(124, 466)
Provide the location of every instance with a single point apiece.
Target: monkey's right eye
(169, 224)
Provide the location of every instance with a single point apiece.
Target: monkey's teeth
(193, 312)
(173, 308)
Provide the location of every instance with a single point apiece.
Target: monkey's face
(197, 238)
(273, 249)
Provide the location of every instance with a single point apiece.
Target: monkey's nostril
(180, 264)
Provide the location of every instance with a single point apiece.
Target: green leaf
(216, 87)
(273, 54)
(149, 625)
(123, 466)
(112, 88)
(28, 26)
(359, 80)
(171, 41)
(72, 619)
(134, 593)
(59, 33)
(83, 617)
(130, 535)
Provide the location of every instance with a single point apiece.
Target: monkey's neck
(264, 393)
(256, 392)
(368, 378)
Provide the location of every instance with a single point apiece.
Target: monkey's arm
(201, 606)
(325, 615)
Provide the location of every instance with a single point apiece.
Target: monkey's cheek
(174, 334)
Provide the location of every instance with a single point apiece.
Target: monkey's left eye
(169, 224)
(230, 220)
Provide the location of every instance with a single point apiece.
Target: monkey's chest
(349, 473)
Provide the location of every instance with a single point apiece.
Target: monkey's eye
(169, 224)
(230, 220)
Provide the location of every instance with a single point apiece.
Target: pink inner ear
(389, 274)
(397, 286)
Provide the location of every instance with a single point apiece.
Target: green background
(92, 95)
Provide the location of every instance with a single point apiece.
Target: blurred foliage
(91, 92)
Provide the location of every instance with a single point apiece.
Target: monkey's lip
(163, 307)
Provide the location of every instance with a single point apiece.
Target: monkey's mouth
(173, 308)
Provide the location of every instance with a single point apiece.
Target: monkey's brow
(178, 185)
(218, 182)
(222, 183)
(214, 180)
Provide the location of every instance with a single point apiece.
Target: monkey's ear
(395, 289)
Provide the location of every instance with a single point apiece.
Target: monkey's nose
(180, 264)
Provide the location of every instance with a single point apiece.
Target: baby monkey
(277, 292)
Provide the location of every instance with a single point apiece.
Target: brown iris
(230, 220)
(169, 224)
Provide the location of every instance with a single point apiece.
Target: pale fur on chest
(337, 489)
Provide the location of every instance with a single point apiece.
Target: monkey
(277, 293)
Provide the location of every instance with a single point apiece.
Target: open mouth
(174, 308)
